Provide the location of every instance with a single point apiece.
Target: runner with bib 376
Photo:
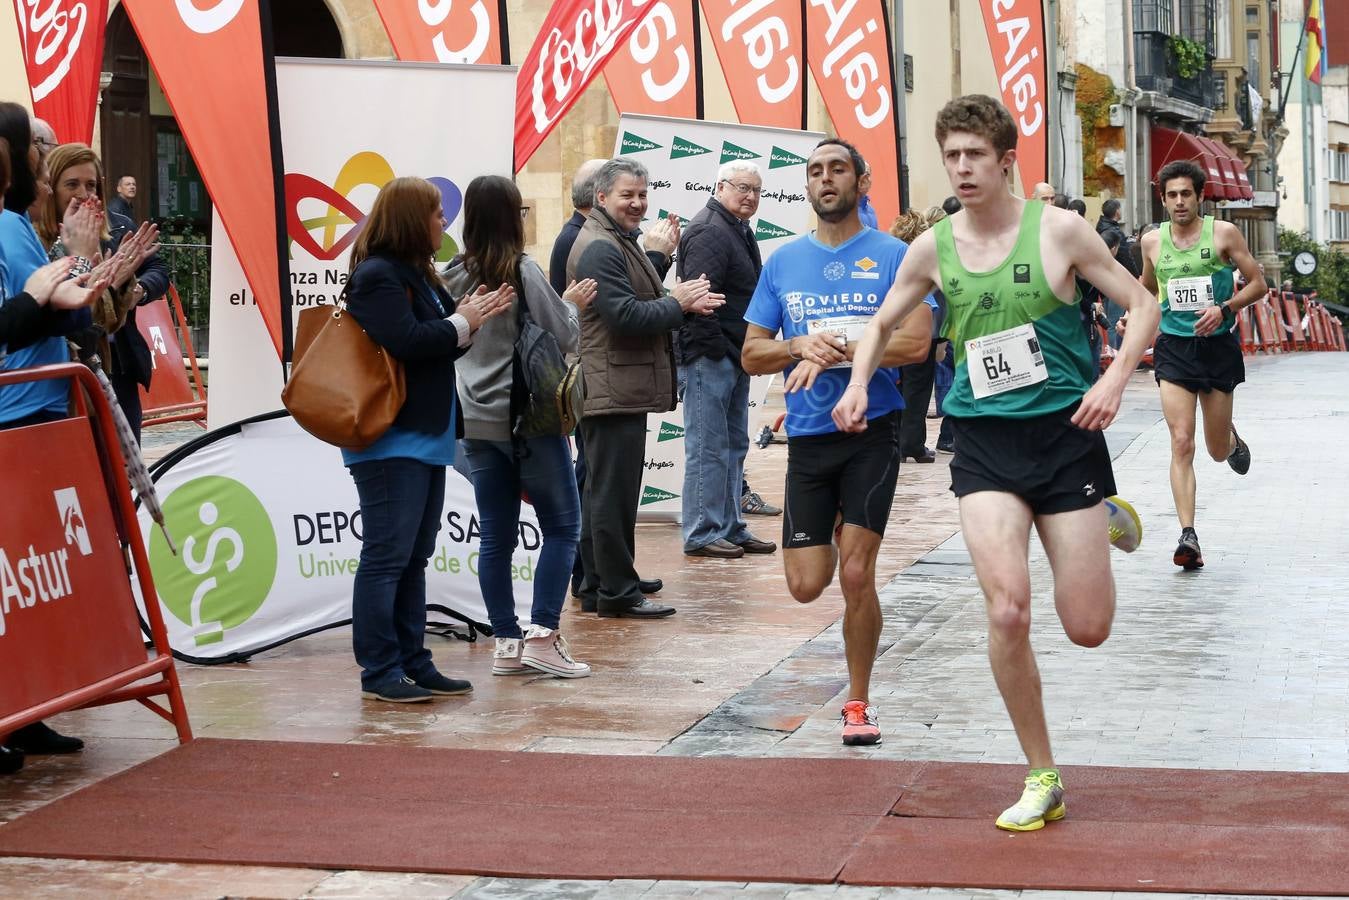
(1188, 264)
(1026, 416)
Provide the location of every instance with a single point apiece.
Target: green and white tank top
(1189, 281)
(1020, 350)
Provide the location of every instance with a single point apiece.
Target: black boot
(39, 738)
(11, 761)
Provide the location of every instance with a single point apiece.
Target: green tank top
(1197, 271)
(1020, 350)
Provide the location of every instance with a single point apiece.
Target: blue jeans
(946, 376)
(544, 473)
(716, 439)
(401, 501)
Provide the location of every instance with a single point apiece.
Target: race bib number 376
(1005, 361)
(1190, 294)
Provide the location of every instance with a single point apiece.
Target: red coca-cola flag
(63, 53)
(467, 31)
(1016, 42)
(759, 43)
(219, 79)
(657, 71)
(575, 42)
(849, 49)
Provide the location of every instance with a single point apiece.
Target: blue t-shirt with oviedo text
(807, 286)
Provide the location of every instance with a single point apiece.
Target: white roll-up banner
(348, 127)
(682, 157)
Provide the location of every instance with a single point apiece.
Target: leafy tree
(1331, 278)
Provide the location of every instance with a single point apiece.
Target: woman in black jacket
(393, 292)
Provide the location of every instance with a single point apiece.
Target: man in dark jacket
(582, 199)
(628, 364)
(719, 244)
(1112, 220)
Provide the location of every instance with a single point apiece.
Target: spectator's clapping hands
(483, 304)
(45, 280)
(663, 236)
(81, 227)
(581, 292)
(697, 296)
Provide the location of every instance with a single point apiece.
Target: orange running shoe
(860, 728)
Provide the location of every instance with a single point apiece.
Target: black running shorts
(1047, 461)
(839, 472)
(1198, 364)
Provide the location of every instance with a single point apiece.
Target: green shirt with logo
(1202, 278)
(1027, 346)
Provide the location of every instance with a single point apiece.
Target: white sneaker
(547, 651)
(506, 657)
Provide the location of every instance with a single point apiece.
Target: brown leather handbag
(344, 389)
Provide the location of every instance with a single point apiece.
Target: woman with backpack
(504, 463)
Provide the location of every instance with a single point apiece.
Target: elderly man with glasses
(718, 242)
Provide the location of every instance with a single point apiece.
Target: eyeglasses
(744, 188)
(524, 212)
(45, 145)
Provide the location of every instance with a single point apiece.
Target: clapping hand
(81, 227)
(483, 304)
(45, 280)
(663, 236)
(697, 296)
(581, 292)
(78, 292)
(134, 250)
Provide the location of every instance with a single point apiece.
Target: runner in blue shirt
(820, 291)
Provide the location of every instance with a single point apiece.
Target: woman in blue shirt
(393, 292)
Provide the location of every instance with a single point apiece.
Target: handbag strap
(521, 305)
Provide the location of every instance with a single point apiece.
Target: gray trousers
(615, 448)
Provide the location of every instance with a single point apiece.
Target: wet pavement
(1241, 665)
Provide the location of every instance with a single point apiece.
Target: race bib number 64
(1005, 361)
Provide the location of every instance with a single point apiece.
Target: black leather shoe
(39, 738)
(644, 609)
(718, 549)
(587, 605)
(948, 447)
(11, 760)
(754, 545)
(927, 456)
(650, 585)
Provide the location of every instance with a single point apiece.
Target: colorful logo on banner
(328, 236)
(228, 559)
(669, 432)
(760, 47)
(656, 70)
(63, 52)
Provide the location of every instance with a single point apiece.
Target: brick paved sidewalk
(1241, 665)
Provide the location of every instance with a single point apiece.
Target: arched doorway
(139, 135)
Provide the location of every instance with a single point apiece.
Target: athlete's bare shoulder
(1068, 233)
(921, 257)
(1227, 235)
(1151, 240)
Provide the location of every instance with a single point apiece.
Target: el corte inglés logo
(766, 231)
(228, 559)
(779, 158)
(682, 148)
(669, 432)
(655, 495)
(730, 151)
(633, 143)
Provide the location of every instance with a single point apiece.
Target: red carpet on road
(350, 806)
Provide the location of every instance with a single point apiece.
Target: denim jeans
(401, 501)
(716, 439)
(544, 473)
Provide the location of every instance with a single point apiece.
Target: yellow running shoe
(1125, 527)
(1041, 801)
